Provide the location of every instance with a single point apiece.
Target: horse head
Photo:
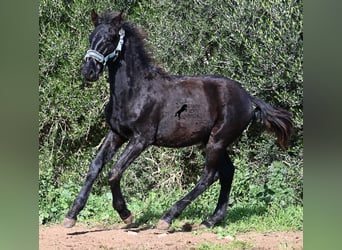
(106, 42)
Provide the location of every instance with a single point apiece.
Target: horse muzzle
(91, 70)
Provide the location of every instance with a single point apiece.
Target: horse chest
(129, 118)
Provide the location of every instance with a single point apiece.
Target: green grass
(236, 244)
(243, 217)
(262, 219)
(240, 218)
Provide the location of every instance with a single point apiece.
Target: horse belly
(185, 126)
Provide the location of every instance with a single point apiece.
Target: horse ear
(117, 20)
(122, 15)
(94, 17)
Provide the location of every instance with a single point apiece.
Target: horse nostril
(91, 73)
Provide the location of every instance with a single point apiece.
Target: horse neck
(129, 69)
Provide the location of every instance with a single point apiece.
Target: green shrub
(259, 43)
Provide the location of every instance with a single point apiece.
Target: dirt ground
(99, 237)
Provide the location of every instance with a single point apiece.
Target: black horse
(148, 106)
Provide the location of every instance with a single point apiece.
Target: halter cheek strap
(104, 59)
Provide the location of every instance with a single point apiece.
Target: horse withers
(147, 106)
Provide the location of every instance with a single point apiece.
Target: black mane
(138, 37)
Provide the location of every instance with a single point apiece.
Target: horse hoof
(203, 226)
(207, 224)
(68, 222)
(128, 220)
(163, 225)
(195, 227)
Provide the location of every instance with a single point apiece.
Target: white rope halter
(104, 59)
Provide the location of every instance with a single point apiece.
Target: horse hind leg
(226, 173)
(206, 180)
(208, 177)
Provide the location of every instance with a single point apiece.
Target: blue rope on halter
(104, 59)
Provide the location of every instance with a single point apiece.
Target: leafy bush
(259, 43)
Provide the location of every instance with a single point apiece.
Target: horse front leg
(133, 149)
(108, 149)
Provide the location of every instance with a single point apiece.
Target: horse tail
(276, 120)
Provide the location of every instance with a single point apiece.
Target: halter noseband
(104, 59)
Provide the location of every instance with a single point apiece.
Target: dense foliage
(259, 43)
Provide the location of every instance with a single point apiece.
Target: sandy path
(98, 237)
